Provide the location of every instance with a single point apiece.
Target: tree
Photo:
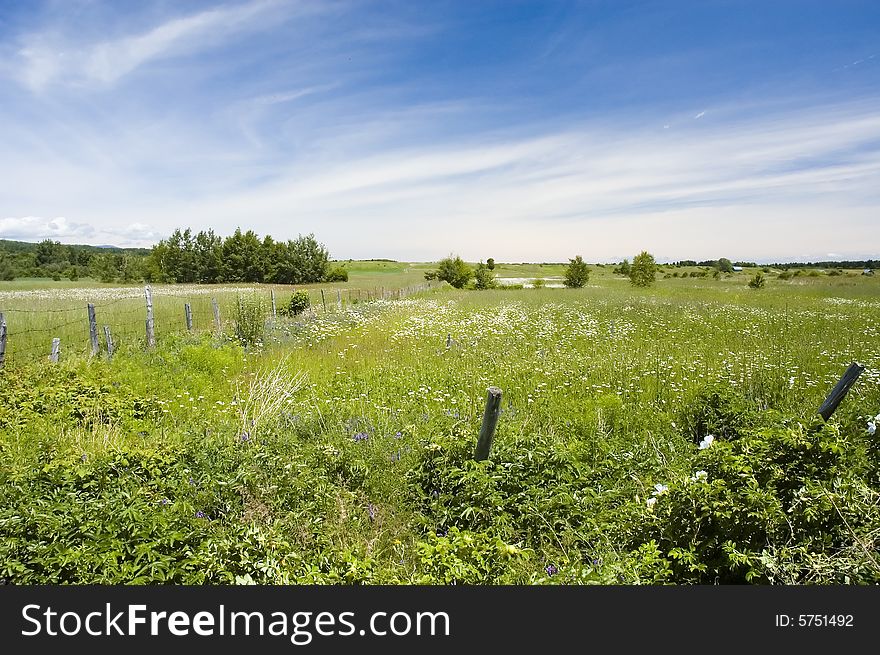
(490, 264)
(643, 271)
(757, 282)
(484, 277)
(724, 265)
(576, 274)
(623, 269)
(455, 271)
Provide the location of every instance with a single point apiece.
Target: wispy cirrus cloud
(47, 58)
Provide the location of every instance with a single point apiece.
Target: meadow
(665, 435)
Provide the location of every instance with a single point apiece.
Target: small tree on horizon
(576, 273)
(484, 278)
(454, 270)
(490, 264)
(643, 271)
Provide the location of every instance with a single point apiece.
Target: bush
(250, 320)
(337, 274)
(299, 302)
(782, 504)
(785, 275)
(484, 277)
(623, 269)
(453, 270)
(577, 274)
(538, 283)
(643, 271)
(757, 282)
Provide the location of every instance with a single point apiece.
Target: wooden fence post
(490, 420)
(151, 326)
(2, 340)
(108, 339)
(274, 312)
(56, 348)
(187, 312)
(339, 300)
(323, 301)
(840, 390)
(93, 330)
(216, 309)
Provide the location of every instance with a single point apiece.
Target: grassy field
(340, 448)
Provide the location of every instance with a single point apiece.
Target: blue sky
(523, 131)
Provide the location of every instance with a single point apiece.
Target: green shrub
(299, 302)
(250, 320)
(576, 273)
(539, 283)
(783, 504)
(757, 282)
(643, 271)
(337, 274)
(484, 278)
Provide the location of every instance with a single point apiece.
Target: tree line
(206, 258)
(184, 257)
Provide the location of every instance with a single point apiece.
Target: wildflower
(660, 489)
(371, 509)
(398, 435)
(245, 436)
(83, 458)
(706, 442)
(551, 569)
(872, 428)
(360, 436)
(700, 475)
(164, 501)
(650, 502)
(200, 514)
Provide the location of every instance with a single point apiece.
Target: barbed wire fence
(136, 321)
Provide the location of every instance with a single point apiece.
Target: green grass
(340, 450)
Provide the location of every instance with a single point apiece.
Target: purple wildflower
(435, 494)
(200, 514)
(552, 569)
(84, 457)
(360, 436)
(398, 435)
(245, 436)
(371, 508)
(396, 457)
(164, 501)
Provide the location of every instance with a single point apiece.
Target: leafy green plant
(250, 320)
(576, 273)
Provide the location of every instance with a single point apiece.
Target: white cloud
(46, 58)
(30, 228)
(700, 115)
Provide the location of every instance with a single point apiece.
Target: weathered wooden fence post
(216, 309)
(323, 301)
(840, 390)
(108, 340)
(56, 348)
(151, 326)
(339, 300)
(187, 312)
(2, 339)
(490, 420)
(93, 330)
(274, 311)
(449, 340)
